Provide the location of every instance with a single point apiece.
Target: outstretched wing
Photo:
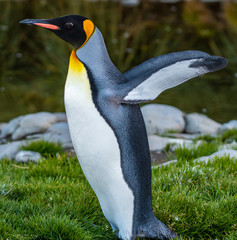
(147, 80)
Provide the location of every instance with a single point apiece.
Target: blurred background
(34, 62)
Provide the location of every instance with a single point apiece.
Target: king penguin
(106, 124)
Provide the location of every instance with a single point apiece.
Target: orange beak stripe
(48, 26)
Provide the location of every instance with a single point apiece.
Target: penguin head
(74, 29)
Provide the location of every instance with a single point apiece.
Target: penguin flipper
(147, 80)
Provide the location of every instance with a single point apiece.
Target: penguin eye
(68, 25)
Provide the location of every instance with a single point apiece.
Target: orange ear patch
(89, 28)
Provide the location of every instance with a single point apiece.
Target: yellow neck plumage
(77, 79)
(77, 73)
(75, 65)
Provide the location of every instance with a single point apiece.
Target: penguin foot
(155, 229)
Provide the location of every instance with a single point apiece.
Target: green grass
(53, 200)
(209, 145)
(198, 200)
(190, 153)
(227, 136)
(206, 137)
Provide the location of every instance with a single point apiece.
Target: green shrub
(229, 135)
(46, 149)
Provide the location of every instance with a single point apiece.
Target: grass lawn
(53, 200)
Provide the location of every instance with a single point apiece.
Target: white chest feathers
(97, 150)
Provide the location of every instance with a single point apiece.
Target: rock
(26, 156)
(61, 117)
(200, 123)
(36, 136)
(9, 150)
(2, 125)
(183, 135)
(227, 152)
(165, 164)
(10, 127)
(231, 145)
(2, 140)
(229, 125)
(34, 123)
(59, 133)
(157, 143)
(161, 118)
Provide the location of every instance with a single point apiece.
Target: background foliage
(33, 62)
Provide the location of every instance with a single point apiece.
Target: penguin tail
(155, 229)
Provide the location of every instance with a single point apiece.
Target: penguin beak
(40, 22)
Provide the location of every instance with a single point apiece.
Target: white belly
(98, 152)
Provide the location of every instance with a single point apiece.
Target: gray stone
(2, 140)
(200, 123)
(61, 117)
(10, 127)
(229, 125)
(9, 150)
(26, 156)
(36, 136)
(157, 143)
(221, 153)
(161, 118)
(165, 164)
(183, 135)
(231, 145)
(2, 125)
(34, 123)
(59, 133)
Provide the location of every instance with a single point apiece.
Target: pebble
(26, 156)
